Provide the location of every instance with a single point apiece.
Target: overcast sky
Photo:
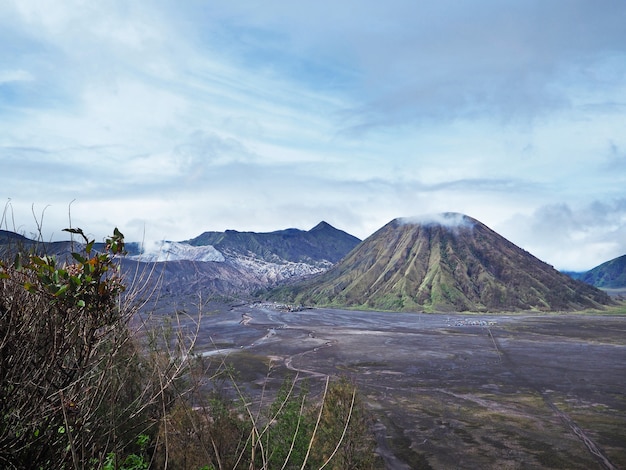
(169, 118)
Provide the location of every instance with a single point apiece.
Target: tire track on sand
(312, 373)
(580, 433)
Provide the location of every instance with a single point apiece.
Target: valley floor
(452, 391)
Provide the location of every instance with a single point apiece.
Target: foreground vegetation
(85, 383)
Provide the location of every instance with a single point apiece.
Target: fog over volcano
(445, 219)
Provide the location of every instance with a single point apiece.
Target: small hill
(609, 275)
(447, 262)
(322, 242)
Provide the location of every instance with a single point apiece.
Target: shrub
(73, 387)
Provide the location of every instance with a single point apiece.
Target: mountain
(447, 262)
(322, 243)
(233, 262)
(609, 275)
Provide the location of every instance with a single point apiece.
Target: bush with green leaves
(72, 384)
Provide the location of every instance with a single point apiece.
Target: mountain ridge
(322, 242)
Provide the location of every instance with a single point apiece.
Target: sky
(167, 119)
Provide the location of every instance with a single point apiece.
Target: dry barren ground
(453, 391)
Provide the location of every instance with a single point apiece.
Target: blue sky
(169, 118)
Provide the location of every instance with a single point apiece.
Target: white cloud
(18, 75)
(572, 238)
(174, 251)
(445, 219)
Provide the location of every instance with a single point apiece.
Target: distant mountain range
(449, 262)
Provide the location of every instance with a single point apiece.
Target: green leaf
(30, 287)
(78, 258)
(80, 303)
(143, 440)
(61, 290)
(43, 260)
(18, 262)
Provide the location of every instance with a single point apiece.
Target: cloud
(572, 238)
(10, 76)
(420, 61)
(174, 251)
(444, 219)
(203, 150)
(616, 158)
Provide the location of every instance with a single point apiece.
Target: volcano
(443, 263)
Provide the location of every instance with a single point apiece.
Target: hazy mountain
(7, 236)
(448, 262)
(574, 274)
(11, 243)
(182, 281)
(609, 275)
